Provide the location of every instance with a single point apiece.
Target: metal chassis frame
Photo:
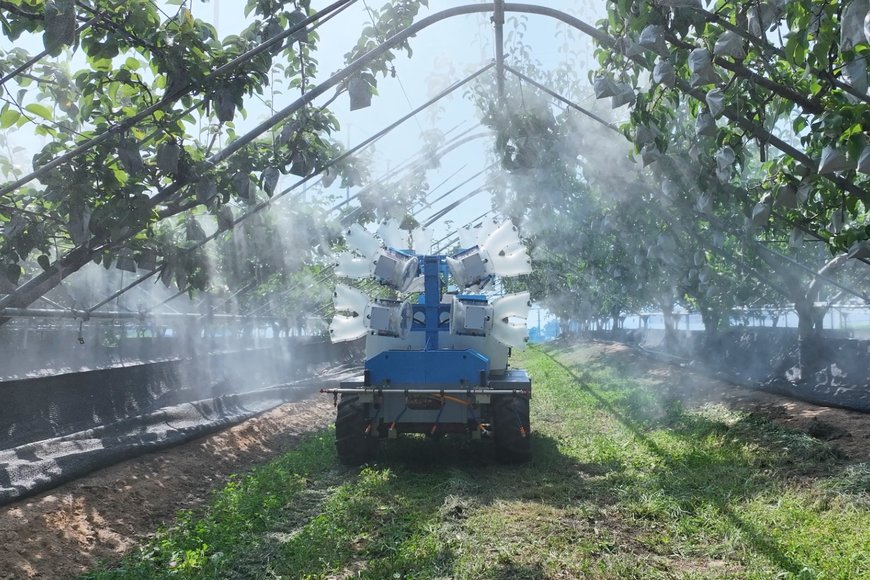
(482, 396)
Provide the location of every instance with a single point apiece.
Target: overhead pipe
(102, 315)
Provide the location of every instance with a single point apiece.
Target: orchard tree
(788, 77)
(148, 130)
(781, 85)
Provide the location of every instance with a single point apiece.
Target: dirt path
(62, 533)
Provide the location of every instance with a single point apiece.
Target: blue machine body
(430, 366)
(406, 386)
(455, 369)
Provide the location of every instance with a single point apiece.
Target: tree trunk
(670, 330)
(809, 340)
(614, 314)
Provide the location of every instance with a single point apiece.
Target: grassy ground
(623, 485)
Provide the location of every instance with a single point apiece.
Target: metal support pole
(498, 21)
(432, 282)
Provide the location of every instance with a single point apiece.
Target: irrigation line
(817, 236)
(816, 274)
(732, 114)
(165, 302)
(741, 190)
(732, 257)
(412, 162)
(358, 65)
(321, 276)
(277, 196)
(561, 98)
(53, 303)
(428, 205)
(464, 183)
(168, 300)
(11, 298)
(410, 167)
(85, 315)
(132, 284)
(35, 59)
(171, 99)
(425, 200)
(265, 203)
(79, 255)
(441, 213)
(244, 289)
(717, 223)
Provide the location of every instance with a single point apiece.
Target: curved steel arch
(390, 43)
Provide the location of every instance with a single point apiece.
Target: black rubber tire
(512, 444)
(353, 445)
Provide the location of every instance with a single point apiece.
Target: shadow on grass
(722, 476)
(402, 513)
(552, 477)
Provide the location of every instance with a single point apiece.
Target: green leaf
(8, 118)
(40, 110)
(44, 262)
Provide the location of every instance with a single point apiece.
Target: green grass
(624, 484)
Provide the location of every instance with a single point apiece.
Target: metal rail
(469, 392)
(86, 315)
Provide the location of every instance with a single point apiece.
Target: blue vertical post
(432, 301)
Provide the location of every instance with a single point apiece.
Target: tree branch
(10, 7)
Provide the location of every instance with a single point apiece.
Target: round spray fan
(394, 257)
(391, 259)
(492, 250)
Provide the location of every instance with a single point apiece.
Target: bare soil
(101, 517)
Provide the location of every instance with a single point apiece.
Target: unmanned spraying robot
(440, 365)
